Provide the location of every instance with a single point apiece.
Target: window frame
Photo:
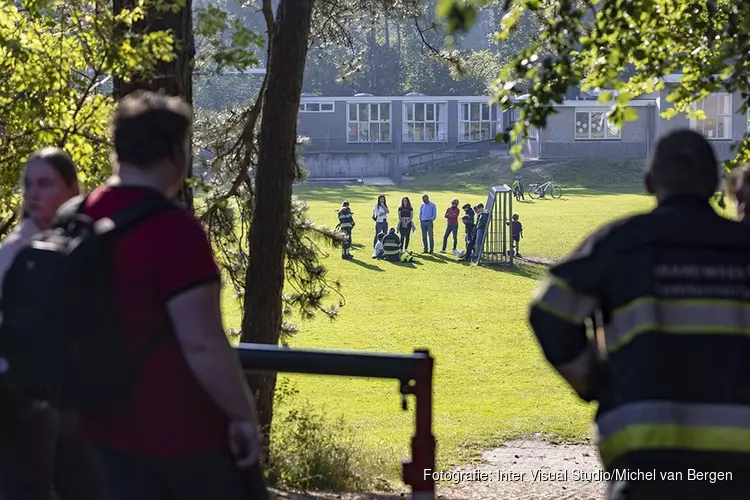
(303, 106)
(699, 125)
(589, 111)
(405, 122)
(369, 121)
(492, 121)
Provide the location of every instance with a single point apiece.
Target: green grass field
(491, 380)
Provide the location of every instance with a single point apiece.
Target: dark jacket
(674, 347)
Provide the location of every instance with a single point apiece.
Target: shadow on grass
(432, 257)
(413, 264)
(369, 267)
(525, 269)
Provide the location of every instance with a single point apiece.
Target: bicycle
(540, 190)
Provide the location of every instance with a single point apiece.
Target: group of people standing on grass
(179, 423)
(392, 242)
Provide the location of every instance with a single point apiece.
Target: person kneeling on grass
(378, 252)
(392, 245)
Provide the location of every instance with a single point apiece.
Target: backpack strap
(70, 211)
(73, 211)
(133, 214)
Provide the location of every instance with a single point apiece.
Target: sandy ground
(519, 470)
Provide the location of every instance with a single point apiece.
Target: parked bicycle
(542, 190)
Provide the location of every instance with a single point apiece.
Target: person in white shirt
(379, 251)
(380, 216)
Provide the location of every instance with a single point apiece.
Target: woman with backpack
(41, 448)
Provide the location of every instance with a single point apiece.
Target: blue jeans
(428, 231)
(451, 228)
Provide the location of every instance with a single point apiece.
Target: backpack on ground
(61, 330)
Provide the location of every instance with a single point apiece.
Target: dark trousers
(47, 453)
(380, 227)
(405, 233)
(131, 476)
(450, 229)
(470, 243)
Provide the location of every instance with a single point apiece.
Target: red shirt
(452, 214)
(168, 413)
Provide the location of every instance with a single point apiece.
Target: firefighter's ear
(648, 181)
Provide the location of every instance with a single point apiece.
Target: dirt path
(519, 470)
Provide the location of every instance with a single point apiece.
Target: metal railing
(450, 154)
(414, 373)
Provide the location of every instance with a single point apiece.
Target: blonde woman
(42, 449)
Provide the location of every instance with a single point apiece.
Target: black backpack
(61, 329)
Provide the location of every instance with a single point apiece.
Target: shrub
(312, 452)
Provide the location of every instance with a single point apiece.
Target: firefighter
(392, 245)
(669, 364)
(346, 223)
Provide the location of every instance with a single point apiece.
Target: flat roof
(568, 103)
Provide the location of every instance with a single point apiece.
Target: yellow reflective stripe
(674, 437)
(676, 316)
(557, 298)
(390, 247)
(345, 224)
(672, 412)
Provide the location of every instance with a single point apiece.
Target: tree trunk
(387, 34)
(398, 41)
(275, 174)
(174, 77)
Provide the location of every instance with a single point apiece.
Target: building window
(718, 110)
(595, 125)
(369, 122)
(475, 121)
(316, 107)
(425, 122)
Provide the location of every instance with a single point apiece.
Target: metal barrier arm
(414, 372)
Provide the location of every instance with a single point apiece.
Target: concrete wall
(351, 164)
(558, 139)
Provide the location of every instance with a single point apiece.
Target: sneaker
(442, 251)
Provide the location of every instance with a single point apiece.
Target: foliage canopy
(626, 47)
